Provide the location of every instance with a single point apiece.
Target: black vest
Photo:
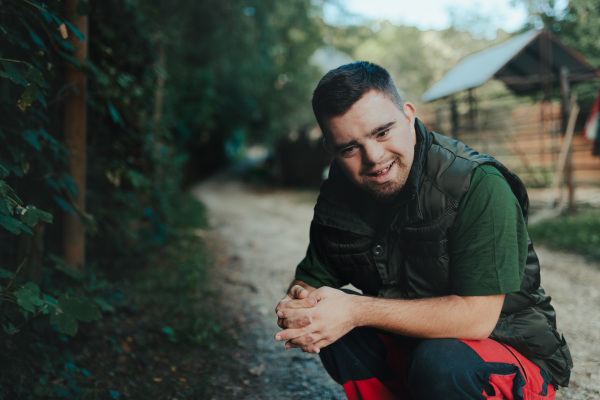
(408, 256)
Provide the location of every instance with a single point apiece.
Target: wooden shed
(513, 101)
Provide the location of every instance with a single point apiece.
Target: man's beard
(384, 195)
(388, 191)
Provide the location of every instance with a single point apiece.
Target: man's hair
(340, 88)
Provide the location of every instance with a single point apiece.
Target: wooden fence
(527, 138)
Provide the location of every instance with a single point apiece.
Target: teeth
(383, 171)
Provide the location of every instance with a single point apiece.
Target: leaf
(8, 199)
(49, 301)
(114, 114)
(32, 215)
(35, 37)
(32, 91)
(70, 58)
(104, 305)
(35, 76)
(137, 179)
(26, 98)
(82, 310)
(65, 323)
(10, 329)
(5, 206)
(4, 173)
(61, 265)
(66, 182)
(64, 205)
(66, 45)
(49, 16)
(28, 297)
(76, 31)
(31, 136)
(13, 225)
(12, 72)
(4, 274)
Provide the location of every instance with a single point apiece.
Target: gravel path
(259, 235)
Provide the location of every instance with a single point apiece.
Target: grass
(163, 339)
(165, 343)
(577, 233)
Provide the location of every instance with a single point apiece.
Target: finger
(303, 303)
(283, 301)
(298, 292)
(289, 334)
(301, 341)
(311, 348)
(294, 322)
(294, 312)
(319, 344)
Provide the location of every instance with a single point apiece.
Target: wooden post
(472, 111)
(74, 125)
(564, 152)
(454, 117)
(566, 110)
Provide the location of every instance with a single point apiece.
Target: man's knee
(358, 355)
(444, 367)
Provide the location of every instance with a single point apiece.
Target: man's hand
(329, 319)
(296, 298)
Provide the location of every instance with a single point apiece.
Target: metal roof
(517, 62)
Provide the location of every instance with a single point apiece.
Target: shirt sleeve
(488, 245)
(314, 269)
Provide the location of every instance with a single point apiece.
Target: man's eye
(383, 134)
(348, 151)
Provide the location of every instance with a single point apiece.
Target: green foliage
(32, 159)
(190, 213)
(239, 74)
(70, 310)
(169, 90)
(42, 299)
(416, 61)
(16, 218)
(578, 233)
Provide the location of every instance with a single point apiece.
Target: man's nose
(373, 153)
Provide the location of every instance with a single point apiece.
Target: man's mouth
(382, 171)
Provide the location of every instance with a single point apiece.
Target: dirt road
(259, 235)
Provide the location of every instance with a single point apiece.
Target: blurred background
(125, 124)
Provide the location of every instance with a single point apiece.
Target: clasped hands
(314, 319)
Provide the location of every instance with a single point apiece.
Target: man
(434, 234)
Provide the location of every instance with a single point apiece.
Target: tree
(75, 131)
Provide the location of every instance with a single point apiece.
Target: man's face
(374, 143)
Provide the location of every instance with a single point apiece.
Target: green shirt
(487, 246)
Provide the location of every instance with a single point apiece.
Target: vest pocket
(351, 256)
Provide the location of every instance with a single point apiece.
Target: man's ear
(410, 112)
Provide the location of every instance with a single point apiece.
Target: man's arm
(336, 313)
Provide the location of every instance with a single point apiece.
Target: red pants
(375, 365)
